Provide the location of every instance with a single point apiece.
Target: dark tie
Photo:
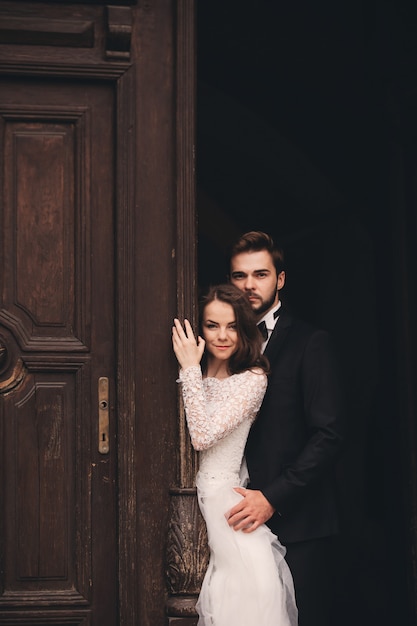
(262, 325)
(264, 331)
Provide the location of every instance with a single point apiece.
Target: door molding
(186, 245)
(125, 384)
(187, 554)
(122, 75)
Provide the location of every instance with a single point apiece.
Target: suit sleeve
(324, 426)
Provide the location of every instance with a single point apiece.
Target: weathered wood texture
(187, 552)
(88, 279)
(57, 317)
(88, 288)
(156, 295)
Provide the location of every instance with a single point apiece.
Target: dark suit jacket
(298, 432)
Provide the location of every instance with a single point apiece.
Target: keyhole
(103, 415)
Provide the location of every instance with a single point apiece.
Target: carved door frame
(187, 552)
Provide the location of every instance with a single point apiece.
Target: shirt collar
(271, 316)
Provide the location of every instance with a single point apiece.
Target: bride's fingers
(176, 331)
(175, 338)
(178, 343)
(187, 334)
(180, 331)
(189, 330)
(184, 347)
(178, 326)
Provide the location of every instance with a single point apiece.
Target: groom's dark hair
(255, 241)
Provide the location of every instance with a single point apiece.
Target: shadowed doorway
(295, 126)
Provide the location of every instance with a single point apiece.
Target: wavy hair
(248, 354)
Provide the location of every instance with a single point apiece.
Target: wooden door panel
(41, 495)
(38, 168)
(58, 507)
(42, 227)
(40, 424)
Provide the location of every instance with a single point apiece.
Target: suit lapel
(279, 335)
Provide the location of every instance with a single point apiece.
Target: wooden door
(57, 340)
(96, 225)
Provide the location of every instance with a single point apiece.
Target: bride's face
(219, 330)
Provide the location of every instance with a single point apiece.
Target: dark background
(301, 109)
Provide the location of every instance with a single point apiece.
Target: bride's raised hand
(187, 349)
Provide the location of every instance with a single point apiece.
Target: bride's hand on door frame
(187, 349)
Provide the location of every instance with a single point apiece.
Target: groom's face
(254, 273)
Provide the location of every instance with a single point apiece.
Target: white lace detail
(219, 415)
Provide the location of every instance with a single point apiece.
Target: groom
(297, 435)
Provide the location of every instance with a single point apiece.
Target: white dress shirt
(270, 318)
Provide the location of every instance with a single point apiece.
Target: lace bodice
(219, 415)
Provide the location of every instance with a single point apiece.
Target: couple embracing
(263, 406)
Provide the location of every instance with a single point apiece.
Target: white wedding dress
(248, 582)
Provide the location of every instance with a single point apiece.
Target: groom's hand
(252, 511)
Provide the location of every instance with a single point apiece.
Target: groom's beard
(260, 306)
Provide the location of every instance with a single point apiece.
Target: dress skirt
(248, 582)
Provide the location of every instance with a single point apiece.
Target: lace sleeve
(236, 399)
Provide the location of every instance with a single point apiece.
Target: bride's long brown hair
(248, 354)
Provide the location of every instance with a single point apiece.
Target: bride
(223, 379)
